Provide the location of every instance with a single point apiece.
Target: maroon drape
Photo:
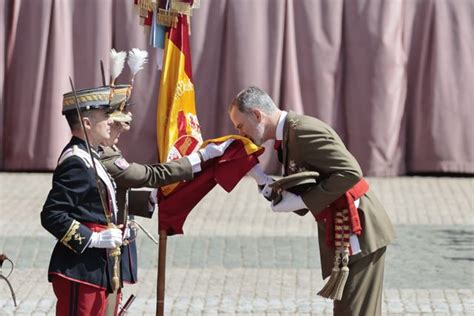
(394, 78)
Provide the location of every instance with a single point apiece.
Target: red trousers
(79, 299)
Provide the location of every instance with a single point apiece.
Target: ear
(87, 123)
(257, 114)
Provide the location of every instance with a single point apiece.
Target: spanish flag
(226, 171)
(178, 132)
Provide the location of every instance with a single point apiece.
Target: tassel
(167, 18)
(342, 278)
(340, 272)
(329, 286)
(115, 283)
(115, 253)
(117, 61)
(344, 272)
(181, 7)
(146, 5)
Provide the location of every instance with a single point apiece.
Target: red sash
(346, 201)
(95, 227)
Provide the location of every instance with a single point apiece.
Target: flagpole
(160, 294)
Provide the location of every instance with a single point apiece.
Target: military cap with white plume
(117, 61)
(136, 59)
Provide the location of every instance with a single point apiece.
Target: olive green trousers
(363, 291)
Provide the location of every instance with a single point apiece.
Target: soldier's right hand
(109, 238)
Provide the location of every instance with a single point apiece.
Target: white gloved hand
(263, 181)
(259, 176)
(289, 202)
(109, 238)
(214, 150)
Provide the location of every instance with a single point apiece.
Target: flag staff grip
(160, 294)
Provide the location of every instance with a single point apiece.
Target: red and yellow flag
(178, 132)
(226, 171)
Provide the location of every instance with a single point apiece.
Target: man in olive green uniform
(308, 144)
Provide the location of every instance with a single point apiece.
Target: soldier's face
(249, 125)
(98, 124)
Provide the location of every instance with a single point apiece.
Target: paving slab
(238, 258)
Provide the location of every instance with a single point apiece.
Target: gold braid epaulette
(69, 234)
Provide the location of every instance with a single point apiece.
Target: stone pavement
(238, 258)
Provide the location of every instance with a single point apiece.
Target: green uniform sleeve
(134, 175)
(325, 152)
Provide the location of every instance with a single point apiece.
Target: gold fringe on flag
(181, 7)
(167, 18)
(147, 5)
(143, 13)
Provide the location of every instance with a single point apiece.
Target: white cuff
(257, 173)
(195, 162)
(94, 240)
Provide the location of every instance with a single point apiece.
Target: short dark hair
(72, 120)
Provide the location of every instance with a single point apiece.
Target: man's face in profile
(248, 124)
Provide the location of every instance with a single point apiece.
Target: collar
(280, 125)
(82, 144)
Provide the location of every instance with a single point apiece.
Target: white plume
(136, 59)
(117, 61)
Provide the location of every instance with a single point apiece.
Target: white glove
(263, 181)
(109, 238)
(214, 150)
(259, 176)
(289, 202)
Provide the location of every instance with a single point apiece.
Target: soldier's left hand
(289, 202)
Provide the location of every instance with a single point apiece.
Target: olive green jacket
(133, 175)
(311, 145)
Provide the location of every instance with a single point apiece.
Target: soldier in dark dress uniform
(81, 269)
